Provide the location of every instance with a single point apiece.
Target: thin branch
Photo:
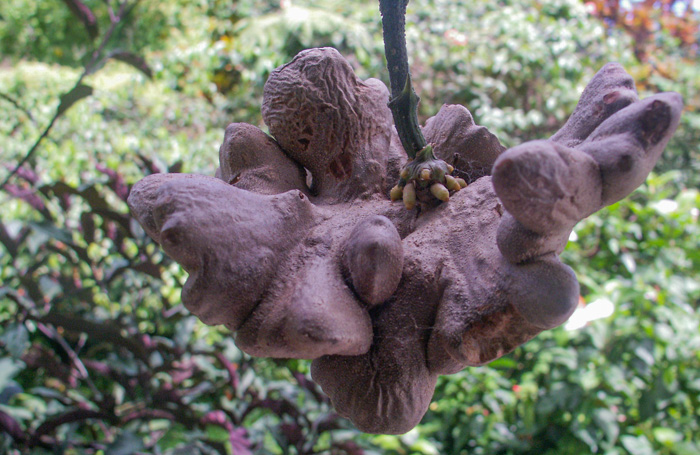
(99, 331)
(31, 150)
(16, 104)
(53, 334)
(73, 416)
(124, 11)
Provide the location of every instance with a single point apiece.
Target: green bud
(452, 184)
(439, 191)
(396, 193)
(409, 196)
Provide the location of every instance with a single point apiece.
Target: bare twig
(53, 334)
(73, 416)
(124, 10)
(99, 331)
(16, 104)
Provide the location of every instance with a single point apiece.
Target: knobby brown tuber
(381, 298)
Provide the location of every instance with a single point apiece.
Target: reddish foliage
(646, 20)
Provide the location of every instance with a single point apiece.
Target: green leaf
(505, 363)
(78, 92)
(8, 369)
(629, 262)
(637, 445)
(666, 436)
(584, 435)
(50, 287)
(606, 420)
(643, 353)
(126, 443)
(217, 433)
(184, 330)
(16, 339)
(424, 447)
(174, 436)
(686, 448)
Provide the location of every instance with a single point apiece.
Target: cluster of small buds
(423, 173)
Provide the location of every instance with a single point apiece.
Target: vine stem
(404, 100)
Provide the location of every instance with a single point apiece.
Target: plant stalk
(404, 100)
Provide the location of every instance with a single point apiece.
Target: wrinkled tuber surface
(384, 299)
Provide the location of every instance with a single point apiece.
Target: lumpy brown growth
(384, 299)
(330, 122)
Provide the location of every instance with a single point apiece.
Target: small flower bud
(396, 193)
(440, 192)
(409, 196)
(451, 183)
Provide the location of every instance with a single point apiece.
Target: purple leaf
(10, 426)
(350, 448)
(87, 224)
(148, 268)
(176, 168)
(27, 195)
(230, 368)
(240, 442)
(27, 174)
(218, 418)
(78, 92)
(134, 60)
(77, 415)
(85, 15)
(292, 432)
(116, 182)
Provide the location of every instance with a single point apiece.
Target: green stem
(404, 101)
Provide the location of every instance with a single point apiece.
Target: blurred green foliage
(97, 354)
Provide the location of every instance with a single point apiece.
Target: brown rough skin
(384, 299)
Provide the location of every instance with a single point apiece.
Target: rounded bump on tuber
(373, 258)
(310, 315)
(469, 149)
(610, 90)
(605, 151)
(545, 292)
(229, 240)
(390, 398)
(253, 161)
(639, 133)
(548, 187)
